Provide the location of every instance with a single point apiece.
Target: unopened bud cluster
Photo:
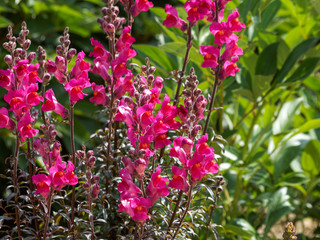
(195, 104)
(92, 185)
(110, 22)
(290, 231)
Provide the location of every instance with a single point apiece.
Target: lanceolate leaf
(296, 53)
(304, 69)
(267, 61)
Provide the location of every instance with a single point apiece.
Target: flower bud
(71, 53)
(91, 161)
(95, 179)
(46, 77)
(27, 44)
(105, 11)
(86, 186)
(88, 174)
(8, 59)
(90, 153)
(95, 190)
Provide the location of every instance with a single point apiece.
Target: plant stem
(47, 215)
(15, 183)
(189, 45)
(213, 95)
(71, 119)
(175, 210)
(185, 212)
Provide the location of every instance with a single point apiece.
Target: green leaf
(278, 206)
(267, 61)
(304, 70)
(311, 124)
(296, 53)
(285, 118)
(269, 13)
(241, 228)
(246, 6)
(4, 22)
(156, 55)
(293, 178)
(310, 160)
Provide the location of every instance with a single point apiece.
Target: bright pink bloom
(157, 186)
(124, 85)
(52, 68)
(125, 114)
(81, 68)
(145, 115)
(141, 5)
(6, 79)
(32, 98)
(233, 22)
(172, 19)
(167, 113)
(222, 33)
(75, 89)
(192, 9)
(229, 68)
(179, 179)
(211, 55)
(42, 146)
(127, 186)
(52, 104)
(99, 94)
(25, 128)
(99, 51)
(202, 160)
(137, 208)
(231, 49)
(145, 144)
(161, 141)
(101, 67)
(128, 164)
(69, 174)
(15, 98)
(21, 69)
(125, 40)
(5, 121)
(43, 183)
(58, 177)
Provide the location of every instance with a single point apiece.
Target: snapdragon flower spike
(25, 127)
(124, 85)
(141, 5)
(52, 104)
(15, 98)
(179, 179)
(172, 19)
(231, 49)
(61, 176)
(31, 96)
(81, 68)
(43, 183)
(211, 55)
(5, 121)
(21, 69)
(126, 186)
(157, 186)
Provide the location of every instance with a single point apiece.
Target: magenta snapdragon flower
(52, 104)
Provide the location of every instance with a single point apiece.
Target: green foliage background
(271, 110)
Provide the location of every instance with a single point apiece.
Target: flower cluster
(223, 32)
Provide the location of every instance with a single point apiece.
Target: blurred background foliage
(271, 109)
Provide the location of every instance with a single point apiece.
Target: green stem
(71, 119)
(175, 211)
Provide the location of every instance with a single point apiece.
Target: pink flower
(5, 121)
(125, 40)
(229, 68)
(99, 94)
(43, 183)
(192, 9)
(231, 49)
(101, 67)
(21, 69)
(15, 98)
(141, 5)
(58, 177)
(137, 208)
(32, 97)
(6, 79)
(172, 19)
(140, 165)
(124, 85)
(75, 87)
(233, 22)
(52, 104)
(161, 141)
(58, 72)
(99, 51)
(179, 179)
(222, 33)
(69, 174)
(157, 186)
(125, 114)
(25, 128)
(127, 186)
(81, 68)
(211, 55)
